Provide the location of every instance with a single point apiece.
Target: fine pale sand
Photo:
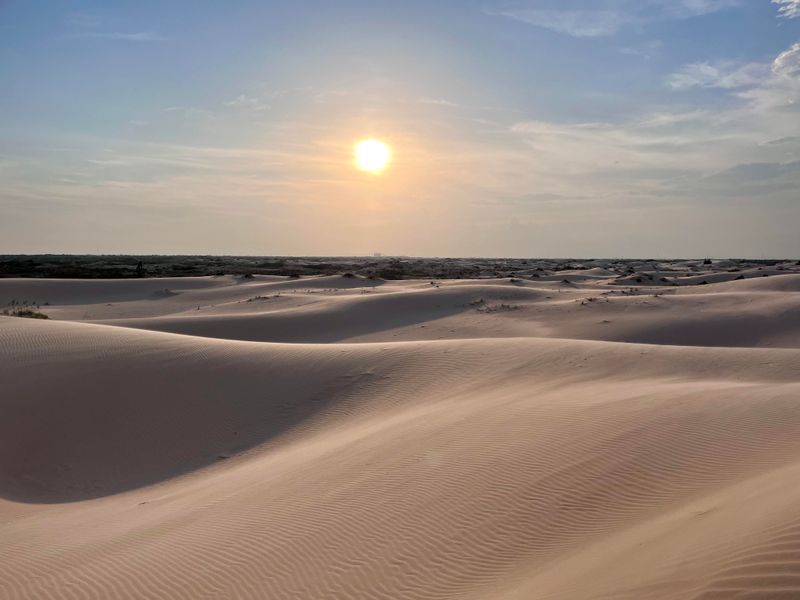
(572, 435)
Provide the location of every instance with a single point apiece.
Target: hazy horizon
(517, 128)
(412, 256)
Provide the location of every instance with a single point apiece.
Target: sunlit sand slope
(501, 461)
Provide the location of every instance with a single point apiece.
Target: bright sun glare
(372, 155)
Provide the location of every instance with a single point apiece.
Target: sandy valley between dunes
(574, 435)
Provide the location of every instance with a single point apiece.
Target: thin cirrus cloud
(243, 101)
(87, 20)
(608, 17)
(138, 36)
(789, 139)
(588, 23)
(722, 74)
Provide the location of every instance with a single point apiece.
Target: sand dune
(738, 313)
(341, 437)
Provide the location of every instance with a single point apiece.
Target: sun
(372, 155)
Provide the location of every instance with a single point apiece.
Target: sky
(524, 128)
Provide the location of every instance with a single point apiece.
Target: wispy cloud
(87, 25)
(763, 85)
(138, 36)
(789, 139)
(607, 17)
(436, 101)
(789, 9)
(721, 74)
(189, 113)
(683, 9)
(583, 23)
(243, 101)
(82, 19)
(646, 52)
(718, 153)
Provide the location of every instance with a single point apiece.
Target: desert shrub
(29, 314)
(23, 309)
(491, 308)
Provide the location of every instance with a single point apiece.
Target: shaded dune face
(480, 439)
(754, 312)
(344, 318)
(130, 410)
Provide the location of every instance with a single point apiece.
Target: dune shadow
(120, 423)
(743, 330)
(335, 322)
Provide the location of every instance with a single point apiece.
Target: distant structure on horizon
(377, 254)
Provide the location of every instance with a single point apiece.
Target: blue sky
(518, 128)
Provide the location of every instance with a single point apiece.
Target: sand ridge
(341, 437)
